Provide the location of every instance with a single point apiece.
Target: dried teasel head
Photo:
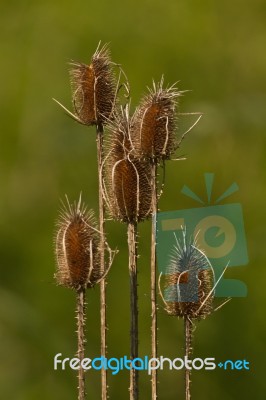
(127, 180)
(94, 89)
(77, 247)
(189, 282)
(155, 122)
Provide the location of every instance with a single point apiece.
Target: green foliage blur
(214, 49)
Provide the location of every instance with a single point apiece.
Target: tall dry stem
(104, 386)
(134, 334)
(153, 278)
(188, 353)
(81, 312)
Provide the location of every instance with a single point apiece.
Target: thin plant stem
(104, 386)
(81, 306)
(154, 387)
(132, 264)
(188, 352)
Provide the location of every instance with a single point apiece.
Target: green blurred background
(216, 50)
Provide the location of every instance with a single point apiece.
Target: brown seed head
(128, 181)
(154, 124)
(189, 282)
(77, 247)
(93, 88)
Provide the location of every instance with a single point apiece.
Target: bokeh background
(214, 49)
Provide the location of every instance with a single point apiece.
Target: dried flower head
(189, 281)
(77, 247)
(93, 88)
(128, 187)
(154, 124)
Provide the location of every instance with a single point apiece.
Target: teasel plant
(154, 140)
(128, 195)
(189, 290)
(95, 89)
(78, 257)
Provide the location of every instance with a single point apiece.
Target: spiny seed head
(128, 181)
(154, 124)
(93, 88)
(189, 282)
(77, 247)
